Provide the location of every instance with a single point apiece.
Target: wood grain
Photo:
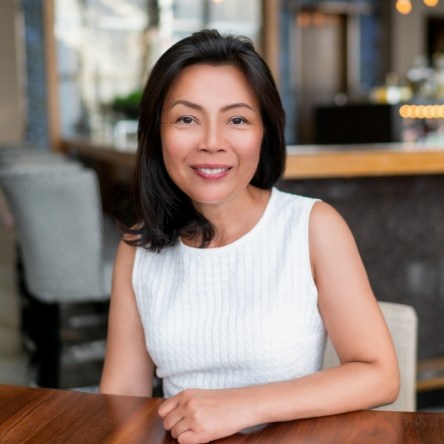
(34, 415)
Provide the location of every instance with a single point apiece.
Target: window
(105, 49)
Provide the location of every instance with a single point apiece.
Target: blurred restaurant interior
(362, 83)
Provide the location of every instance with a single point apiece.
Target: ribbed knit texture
(238, 315)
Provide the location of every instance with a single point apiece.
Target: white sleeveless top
(238, 315)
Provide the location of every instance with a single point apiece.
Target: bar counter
(308, 161)
(347, 161)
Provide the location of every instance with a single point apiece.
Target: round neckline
(237, 242)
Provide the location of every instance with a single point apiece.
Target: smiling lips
(212, 172)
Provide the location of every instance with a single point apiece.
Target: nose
(213, 139)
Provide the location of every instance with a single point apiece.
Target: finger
(191, 437)
(167, 406)
(179, 428)
(172, 419)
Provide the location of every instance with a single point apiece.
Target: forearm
(204, 415)
(352, 386)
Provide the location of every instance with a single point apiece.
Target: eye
(187, 120)
(238, 120)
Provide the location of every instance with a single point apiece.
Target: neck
(233, 220)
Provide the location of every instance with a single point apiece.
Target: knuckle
(193, 404)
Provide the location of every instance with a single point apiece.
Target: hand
(197, 416)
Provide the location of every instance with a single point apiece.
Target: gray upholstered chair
(403, 325)
(23, 161)
(59, 228)
(29, 155)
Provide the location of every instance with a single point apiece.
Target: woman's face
(211, 130)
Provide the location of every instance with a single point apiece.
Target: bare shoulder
(323, 215)
(123, 269)
(327, 225)
(333, 250)
(125, 255)
(125, 249)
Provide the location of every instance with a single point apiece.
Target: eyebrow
(200, 108)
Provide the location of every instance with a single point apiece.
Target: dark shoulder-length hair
(162, 211)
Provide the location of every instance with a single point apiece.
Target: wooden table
(30, 415)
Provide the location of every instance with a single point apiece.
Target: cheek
(178, 143)
(172, 164)
(171, 148)
(252, 148)
(175, 151)
(169, 159)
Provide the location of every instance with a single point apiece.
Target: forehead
(203, 81)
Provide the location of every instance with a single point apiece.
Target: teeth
(212, 170)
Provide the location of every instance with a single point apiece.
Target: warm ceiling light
(422, 111)
(218, 1)
(431, 3)
(403, 6)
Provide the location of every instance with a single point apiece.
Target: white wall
(11, 74)
(409, 38)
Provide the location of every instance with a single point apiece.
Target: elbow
(105, 389)
(394, 384)
(390, 384)
(392, 391)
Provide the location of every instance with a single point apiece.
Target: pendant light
(405, 6)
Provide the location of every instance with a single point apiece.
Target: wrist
(252, 406)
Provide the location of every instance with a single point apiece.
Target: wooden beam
(270, 35)
(51, 75)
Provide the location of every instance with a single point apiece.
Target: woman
(226, 285)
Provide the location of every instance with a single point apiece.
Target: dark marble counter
(398, 223)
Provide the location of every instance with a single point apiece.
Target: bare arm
(128, 368)
(368, 374)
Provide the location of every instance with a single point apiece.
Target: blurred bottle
(391, 92)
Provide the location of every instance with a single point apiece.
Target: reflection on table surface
(31, 415)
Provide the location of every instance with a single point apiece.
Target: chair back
(29, 155)
(59, 230)
(402, 322)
